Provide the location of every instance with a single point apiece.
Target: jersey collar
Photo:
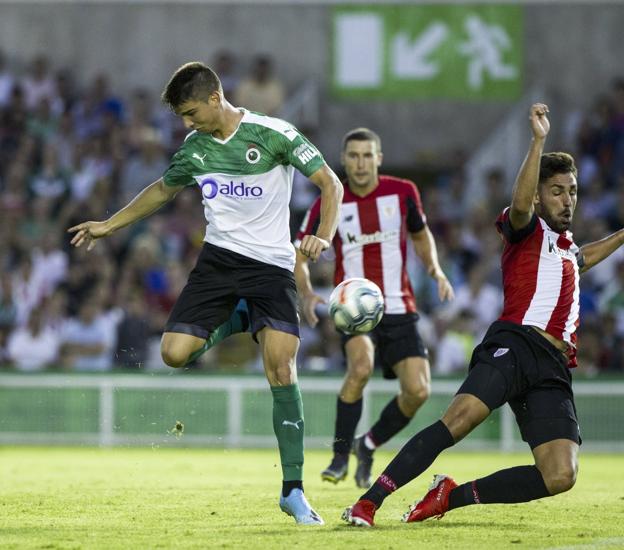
(224, 141)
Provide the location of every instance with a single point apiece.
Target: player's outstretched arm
(331, 199)
(522, 208)
(146, 202)
(594, 253)
(304, 287)
(426, 250)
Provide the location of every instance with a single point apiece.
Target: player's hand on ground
(539, 121)
(88, 232)
(309, 303)
(445, 289)
(312, 246)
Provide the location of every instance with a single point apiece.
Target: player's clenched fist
(539, 121)
(88, 232)
(312, 246)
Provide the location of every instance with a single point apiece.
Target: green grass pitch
(189, 498)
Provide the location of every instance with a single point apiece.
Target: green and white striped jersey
(246, 183)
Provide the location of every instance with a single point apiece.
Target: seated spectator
(611, 298)
(145, 167)
(39, 83)
(28, 287)
(225, 67)
(51, 261)
(66, 93)
(96, 104)
(478, 297)
(42, 123)
(51, 180)
(89, 339)
(140, 118)
(34, 346)
(133, 333)
(611, 345)
(64, 142)
(261, 91)
(13, 120)
(454, 349)
(37, 222)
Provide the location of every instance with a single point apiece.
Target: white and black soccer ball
(356, 305)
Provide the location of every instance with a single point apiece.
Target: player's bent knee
(560, 481)
(280, 372)
(359, 373)
(419, 394)
(464, 414)
(172, 357)
(413, 396)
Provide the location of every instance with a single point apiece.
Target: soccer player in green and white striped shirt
(242, 164)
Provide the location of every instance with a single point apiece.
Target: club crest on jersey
(252, 156)
(500, 351)
(388, 211)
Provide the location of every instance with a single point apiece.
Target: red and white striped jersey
(371, 240)
(540, 278)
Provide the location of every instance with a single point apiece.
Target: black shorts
(219, 280)
(515, 364)
(396, 337)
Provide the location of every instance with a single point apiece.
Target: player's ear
(379, 158)
(342, 158)
(215, 98)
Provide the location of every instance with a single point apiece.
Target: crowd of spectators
(71, 152)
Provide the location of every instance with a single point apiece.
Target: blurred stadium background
(447, 85)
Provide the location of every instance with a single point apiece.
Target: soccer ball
(356, 306)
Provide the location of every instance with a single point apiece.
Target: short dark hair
(556, 163)
(360, 134)
(190, 81)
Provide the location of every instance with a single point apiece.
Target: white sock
(369, 443)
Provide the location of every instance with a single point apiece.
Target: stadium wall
(572, 51)
(139, 409)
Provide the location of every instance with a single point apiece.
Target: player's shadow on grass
(462, 524)
(392, 525)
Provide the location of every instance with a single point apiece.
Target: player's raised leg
(177, 348)
(278, 353)
(554, 472)
(415, 386)
(360, 354)
(238, 322)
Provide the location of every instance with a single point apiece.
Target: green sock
(288, 426)
(197, 353)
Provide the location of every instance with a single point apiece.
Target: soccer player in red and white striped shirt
(525, 357)
(379, 218)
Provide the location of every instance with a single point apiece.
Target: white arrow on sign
(409, 59)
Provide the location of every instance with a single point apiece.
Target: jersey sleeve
(179, 172)
(310, 222)
(416, 219)
(300, 152)
(511, 235)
